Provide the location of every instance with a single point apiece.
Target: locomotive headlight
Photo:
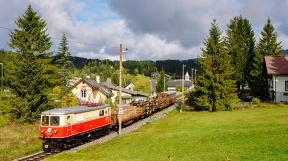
(55, 131)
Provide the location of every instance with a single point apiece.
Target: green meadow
(250, 134)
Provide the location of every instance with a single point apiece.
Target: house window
(286, 85)
(83, 93)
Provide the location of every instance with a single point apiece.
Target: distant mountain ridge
(171, 67)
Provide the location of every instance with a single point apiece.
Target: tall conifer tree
(63, 61)
(29, 80)
(240, 45)
(268, 45)
(160, 83)
(214, 85)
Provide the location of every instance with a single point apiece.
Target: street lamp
(2, 91)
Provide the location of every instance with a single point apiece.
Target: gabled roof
(117, 88)
(93, 84)
(276, 65)
(174, 83)
(69, 110)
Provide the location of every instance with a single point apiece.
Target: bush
(256, 101)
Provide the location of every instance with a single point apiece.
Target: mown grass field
(18, 139)
(251, 134)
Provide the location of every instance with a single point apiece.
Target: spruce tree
(214, 85)
(28, 79)
(240, 45)
(268, 45)
(63, 62)
(160, 83)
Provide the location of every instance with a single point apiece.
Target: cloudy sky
(150, 29)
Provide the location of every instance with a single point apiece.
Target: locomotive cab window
(101, 113)
(54, 120)
(45, 120)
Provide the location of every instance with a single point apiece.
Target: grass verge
(17, 140)
(251, 134)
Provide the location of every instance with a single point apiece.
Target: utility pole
(2, 71)
(195, 76)
(183, 84)
(120, 109)
(164, 83)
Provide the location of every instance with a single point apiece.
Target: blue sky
(150, 29)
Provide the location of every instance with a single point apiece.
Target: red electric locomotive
(65, 127)
(62, 128)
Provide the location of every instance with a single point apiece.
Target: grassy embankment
(251, 134)
(18, 139)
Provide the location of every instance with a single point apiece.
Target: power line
(71, 40)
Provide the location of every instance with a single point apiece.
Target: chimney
(98, 79)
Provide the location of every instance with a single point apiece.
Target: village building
(89, 91)
(174, 84)
(127, 95)
(130, 86)
(277, 71)
(187, 76)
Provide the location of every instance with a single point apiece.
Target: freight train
(63, 128)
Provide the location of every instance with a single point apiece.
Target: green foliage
(256, 101)
(268, 46)
(160, 83)
(63, 62)
(214, 86)
(29, 74)
(240, 45)
(141, 82)
(178, 88)
(241, 135)
(145, 67)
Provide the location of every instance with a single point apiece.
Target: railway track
(35, 157)
(156, 116)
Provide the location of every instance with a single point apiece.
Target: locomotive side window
(45, 120)
(54, 120)
(68, 120)
(101, 113)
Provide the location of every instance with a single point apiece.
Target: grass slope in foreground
(255, 134)
(18, 139)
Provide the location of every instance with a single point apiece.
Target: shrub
(256, 101)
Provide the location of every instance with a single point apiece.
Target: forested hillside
(146, 67)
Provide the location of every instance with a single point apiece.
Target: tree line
(233, 62)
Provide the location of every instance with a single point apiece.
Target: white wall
(279, 87)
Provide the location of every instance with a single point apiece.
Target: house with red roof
(277, 71)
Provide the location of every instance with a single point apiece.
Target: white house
(89, 91)
(277, 70)
(130, 86)
(187, 76)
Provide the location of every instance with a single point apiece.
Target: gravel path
(127, 129)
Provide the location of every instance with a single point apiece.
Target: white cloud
(164, 29)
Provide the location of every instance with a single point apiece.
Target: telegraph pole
(164, 83)
(120, 109)
(183, 83)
